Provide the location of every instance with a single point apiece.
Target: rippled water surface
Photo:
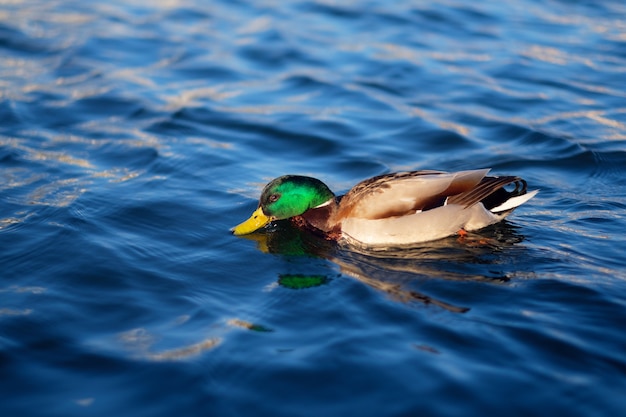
(134, 134)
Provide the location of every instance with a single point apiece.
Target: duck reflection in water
(394, 272)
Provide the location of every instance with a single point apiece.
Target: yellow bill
(255, 222)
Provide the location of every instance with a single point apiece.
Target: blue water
(134, 134)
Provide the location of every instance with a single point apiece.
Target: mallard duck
(395, 209)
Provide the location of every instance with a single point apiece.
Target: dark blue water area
(134, 134)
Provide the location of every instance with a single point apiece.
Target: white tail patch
(513, 202)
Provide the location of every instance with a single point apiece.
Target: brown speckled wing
(403, 193)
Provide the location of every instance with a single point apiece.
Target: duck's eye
(274, 197)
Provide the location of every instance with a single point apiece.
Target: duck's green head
(285, 197)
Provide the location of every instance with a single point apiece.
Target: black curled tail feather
(491, 192)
